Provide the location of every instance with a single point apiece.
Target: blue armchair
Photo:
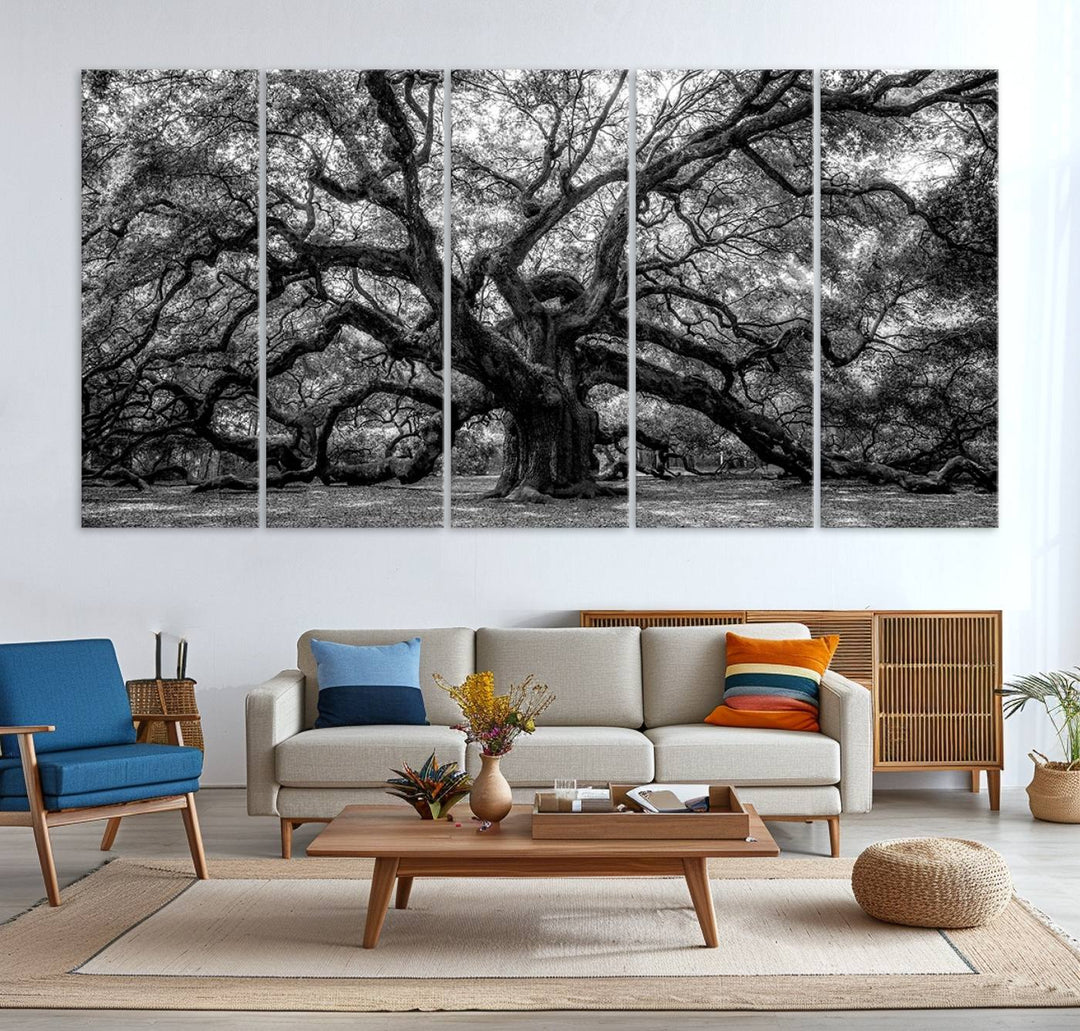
(68, 752)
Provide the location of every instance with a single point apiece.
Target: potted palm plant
(1054, 792)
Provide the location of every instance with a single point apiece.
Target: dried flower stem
(494, 721)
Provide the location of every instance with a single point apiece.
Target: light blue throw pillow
(360, 685)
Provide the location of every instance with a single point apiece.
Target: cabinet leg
(975, 781)
(993, 787)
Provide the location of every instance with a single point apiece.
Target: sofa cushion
(364, 684)
(74, 685)
(114, 796)
(449, 651)
(585, 754)
(84, 770)
(360, 757)
(594, 674)
(683, 667)
(744, 755)
(816, 800)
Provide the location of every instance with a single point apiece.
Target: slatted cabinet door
(935, 701)
(647, 618)
(854, 656)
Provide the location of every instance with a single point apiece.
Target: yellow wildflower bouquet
(494, 721)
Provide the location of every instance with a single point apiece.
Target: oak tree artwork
(170, 298)
(539, 295)
(540, 299)
(354, 298)
(909, 298)
(724, 298)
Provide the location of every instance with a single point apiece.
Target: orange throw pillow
(773, 684)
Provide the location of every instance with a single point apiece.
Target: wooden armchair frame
(41, 819)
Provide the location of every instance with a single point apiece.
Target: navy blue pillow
(360, 685)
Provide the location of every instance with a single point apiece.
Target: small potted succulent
(432, 790)
(1054, 792)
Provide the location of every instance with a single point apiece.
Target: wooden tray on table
(727, 819)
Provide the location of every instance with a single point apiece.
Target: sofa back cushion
(74, 685)
(683, 667)
(445, 650)
(595, 674)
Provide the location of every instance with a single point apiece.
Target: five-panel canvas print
(716, 287)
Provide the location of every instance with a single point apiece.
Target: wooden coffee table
(405, 847)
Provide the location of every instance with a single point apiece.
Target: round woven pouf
(932, 882)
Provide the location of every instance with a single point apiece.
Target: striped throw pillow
(773, 684)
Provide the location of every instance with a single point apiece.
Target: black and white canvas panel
(354, 298)
(909, 324)
(539, 310)
(170, 298)
(724, 298)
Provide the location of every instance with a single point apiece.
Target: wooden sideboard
(934, 675)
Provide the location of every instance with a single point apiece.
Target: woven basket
(1054, 791)
(932, 882)
(166, 698)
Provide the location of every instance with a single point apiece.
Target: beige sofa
(629, 707)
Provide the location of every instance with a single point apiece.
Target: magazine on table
(671, 798)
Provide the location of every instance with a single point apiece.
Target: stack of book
(581, 800)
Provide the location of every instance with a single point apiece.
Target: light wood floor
(1044, 857)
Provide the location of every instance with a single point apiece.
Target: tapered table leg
(404, 888)
(697, 880)
(382, 886)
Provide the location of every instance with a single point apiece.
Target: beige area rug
(268, 934)
(633, 927)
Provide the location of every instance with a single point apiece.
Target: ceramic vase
(490, 798)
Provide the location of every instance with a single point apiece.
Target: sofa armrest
(846, 716)
(273, 711)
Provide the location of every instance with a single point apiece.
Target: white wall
(243, 596)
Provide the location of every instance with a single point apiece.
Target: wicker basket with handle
(1054, 791)
(162, 697)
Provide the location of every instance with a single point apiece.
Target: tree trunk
(548, 452)
(226, 482)
(549, 434)
(837, 467)
(428, 455)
